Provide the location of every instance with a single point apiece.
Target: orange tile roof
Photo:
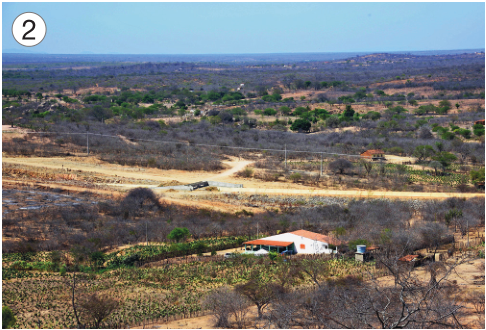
(372, 152)
(317, 237)
(268, 242)
(409, 258)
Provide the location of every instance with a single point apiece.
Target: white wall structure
(305, 241)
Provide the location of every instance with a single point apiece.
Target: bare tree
(368, 166)
(340, 165)
(288, 80)
(238, 307)
(433, 234)
(217, 302)
(412, 303)
(73, 284)
(285, 315)
(139, 200)
(259, 291)
(436, 166)
(224, 302)
(98, 307)
(316, 268)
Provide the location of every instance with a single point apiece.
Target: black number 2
(26, 33)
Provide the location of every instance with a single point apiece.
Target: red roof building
(373, 154)
(268, 242)
(300, 241)
(317, 237)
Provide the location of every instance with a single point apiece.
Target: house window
(302, 246)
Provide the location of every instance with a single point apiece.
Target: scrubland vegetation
(86, 251)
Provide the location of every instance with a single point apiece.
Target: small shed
(480, 185)
(373, 154)
(367, 255)
(479, 122)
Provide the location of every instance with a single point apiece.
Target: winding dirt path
(236, 166)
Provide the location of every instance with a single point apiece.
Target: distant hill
(28, 56)
(20, 51)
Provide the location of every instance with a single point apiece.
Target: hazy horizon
(250, 28)
(13, 51)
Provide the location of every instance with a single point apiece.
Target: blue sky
(236, 28)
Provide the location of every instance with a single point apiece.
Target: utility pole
(286, 157)
(321, 164)
(87, 143)
(257, 230)
(146, 235)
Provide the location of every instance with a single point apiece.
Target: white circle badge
(29, 29)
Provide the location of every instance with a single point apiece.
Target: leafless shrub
(259, 292)
(285, 311)
(138, 200)
(97, 307)
(267, 164)
(268, 175)
(238, 307)
(224, 302)
(340, 165)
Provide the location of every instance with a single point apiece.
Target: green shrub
(447, 136)
(396, 150)
(178, 233)
(301, 125)
(477, 176)
(479, 131)
(295, 177)
(373, 115)
(360, 241)
(247, 172)
(8, 318)
(463, 132)
(269, 112)
(273, 255)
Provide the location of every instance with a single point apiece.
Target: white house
(301, 241)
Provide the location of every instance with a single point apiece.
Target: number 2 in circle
(26, 33)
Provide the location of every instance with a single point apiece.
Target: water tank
(361, 248)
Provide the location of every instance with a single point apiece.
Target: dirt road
(235, 166)
(352, 193)
(251, 186)
(91, 164)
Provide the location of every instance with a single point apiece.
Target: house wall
(302, 244)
